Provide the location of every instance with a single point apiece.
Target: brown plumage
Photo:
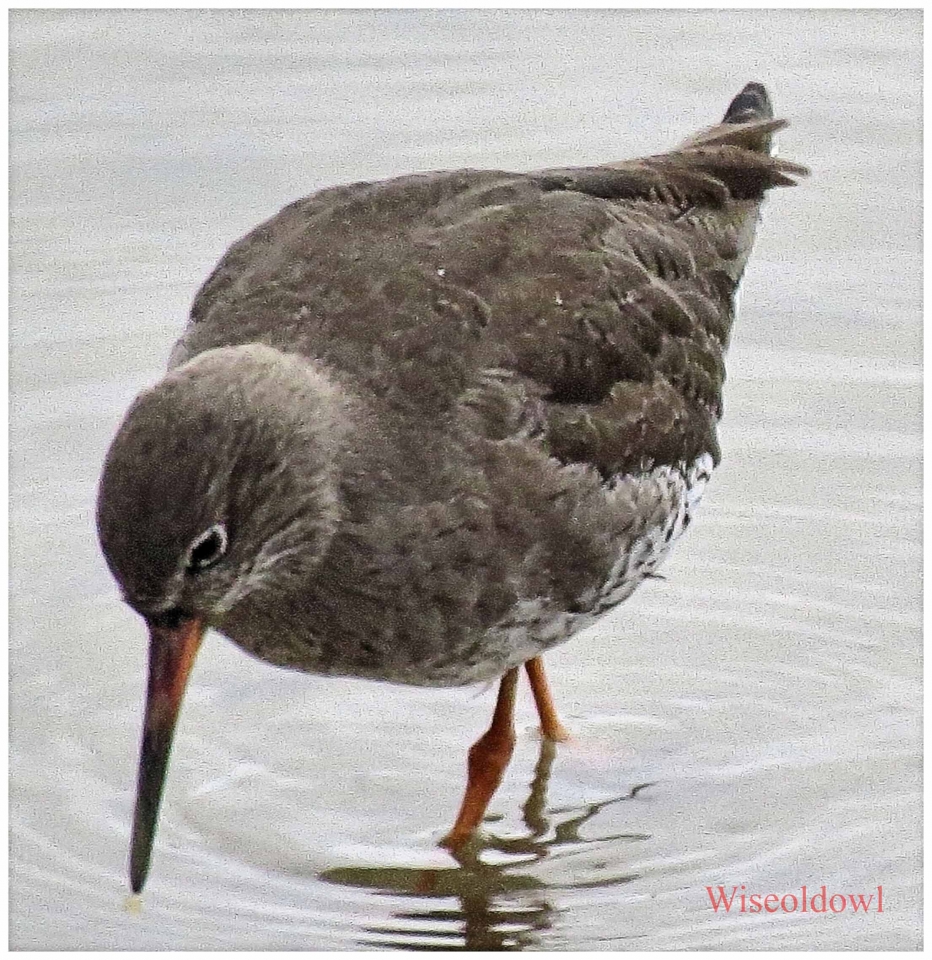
(421, 430)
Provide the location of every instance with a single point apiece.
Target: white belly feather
(662, 502)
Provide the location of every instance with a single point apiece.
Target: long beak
(171, 653)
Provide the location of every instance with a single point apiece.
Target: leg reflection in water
(492, 899)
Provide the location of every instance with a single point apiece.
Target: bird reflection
(497, 905)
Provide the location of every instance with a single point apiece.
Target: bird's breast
(421, 620)
(655, 508)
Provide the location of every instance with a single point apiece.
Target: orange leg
(550, 725)
(488, 757)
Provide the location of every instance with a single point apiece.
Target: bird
(422, 430)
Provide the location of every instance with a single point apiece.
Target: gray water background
(767, 692)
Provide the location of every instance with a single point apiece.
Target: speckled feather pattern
(524, 372)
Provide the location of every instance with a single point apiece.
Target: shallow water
(753, 719)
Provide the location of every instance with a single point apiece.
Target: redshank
(422, 430)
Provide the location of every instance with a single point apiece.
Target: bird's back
(543, 355)
(604, 292)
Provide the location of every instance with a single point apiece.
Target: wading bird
(424, 429)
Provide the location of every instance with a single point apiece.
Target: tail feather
(748, 123)
(751, 104)
(752, 135)
(731, 161)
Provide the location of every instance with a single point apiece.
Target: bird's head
(220, 484)
(220, 474)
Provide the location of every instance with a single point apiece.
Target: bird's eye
(207, 549)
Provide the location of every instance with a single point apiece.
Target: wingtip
(752, 103)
